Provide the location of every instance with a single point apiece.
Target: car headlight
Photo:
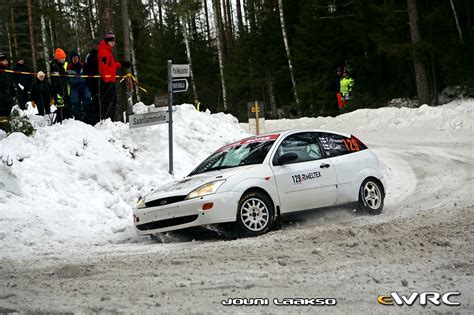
(205, 189)
(141, 203)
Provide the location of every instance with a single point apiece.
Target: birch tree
(32, 36)
(126, 51)
(43, 39)
(216, 5)
(456, 20)
(287, 49)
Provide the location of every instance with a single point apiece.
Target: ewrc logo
(434, 298)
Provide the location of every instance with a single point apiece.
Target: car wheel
(371, 196)
(255, 214)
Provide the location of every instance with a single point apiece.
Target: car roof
(291, 131)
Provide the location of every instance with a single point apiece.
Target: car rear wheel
(371, 196)
(255, 214)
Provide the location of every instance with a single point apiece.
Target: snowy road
(423, 241)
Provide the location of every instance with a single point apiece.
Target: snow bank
(432, 124)
(76, 184)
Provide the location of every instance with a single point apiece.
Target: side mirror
(287, 158)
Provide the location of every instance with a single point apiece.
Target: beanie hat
(110, 36)
(40, 74)
(3, 57)
(59, 54)
(73, 54)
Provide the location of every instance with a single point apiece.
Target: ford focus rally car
(253, 181)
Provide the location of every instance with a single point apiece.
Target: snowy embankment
(74, 184)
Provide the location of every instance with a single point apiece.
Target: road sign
(180, 85)
(180, 71)
(148, 119)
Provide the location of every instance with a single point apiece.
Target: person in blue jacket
(80, 95)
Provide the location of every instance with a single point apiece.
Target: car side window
(335, 145)
(304, 144)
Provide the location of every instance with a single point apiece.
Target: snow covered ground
(66, 233)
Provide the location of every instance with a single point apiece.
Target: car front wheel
(255, 214)
(371, 196)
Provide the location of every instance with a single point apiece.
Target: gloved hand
(126, 64)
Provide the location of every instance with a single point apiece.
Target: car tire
(255, 214)
(371, 196)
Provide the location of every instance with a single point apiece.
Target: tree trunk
(126, 52)
(216, 4)
(240, 23)
(456, 20)
(151, 7)
(271, 92)
(43, 38)
(228, 18)
(287, 48)
(134, 60)
(9, 40)
(105, 15)
(51, 34)
(220, 25)
(160, 12)
(420, 68)
(15, 41)
(188, 56)
(91, 18)
(32, 36)
(208, 29)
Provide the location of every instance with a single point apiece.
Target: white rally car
(253, 181)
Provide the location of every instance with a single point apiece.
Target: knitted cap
(59, 54)
(109, 36)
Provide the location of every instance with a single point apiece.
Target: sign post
(170, 111)
(256, 110)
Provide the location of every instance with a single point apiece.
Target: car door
(309, 181)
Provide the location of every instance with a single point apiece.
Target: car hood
(184, 186)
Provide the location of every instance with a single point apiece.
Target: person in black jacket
(7, 91)
(91, 67)
(22, 82)
(60, 85)
(41, 94)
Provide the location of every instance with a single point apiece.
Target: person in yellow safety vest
(197, 104)
(346, 85)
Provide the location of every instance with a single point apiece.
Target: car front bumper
(187, 213)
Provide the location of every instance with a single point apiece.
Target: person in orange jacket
(108, 69)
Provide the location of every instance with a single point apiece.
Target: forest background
(280, 52)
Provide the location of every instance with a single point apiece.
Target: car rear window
(335, 145)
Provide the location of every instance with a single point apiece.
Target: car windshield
(245, 152)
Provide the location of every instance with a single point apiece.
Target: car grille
(164, 201)
(166, 223)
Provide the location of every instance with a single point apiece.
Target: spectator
(108, 69)
(79, 92)
(22, 82)
(336, 89)
(60, 87)
(41, 94)
(91, 68)
(7, 90)
(346, 86)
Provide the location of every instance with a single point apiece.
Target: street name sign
(180, 71)
(148, 119)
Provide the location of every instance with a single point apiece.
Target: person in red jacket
(107, 69)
